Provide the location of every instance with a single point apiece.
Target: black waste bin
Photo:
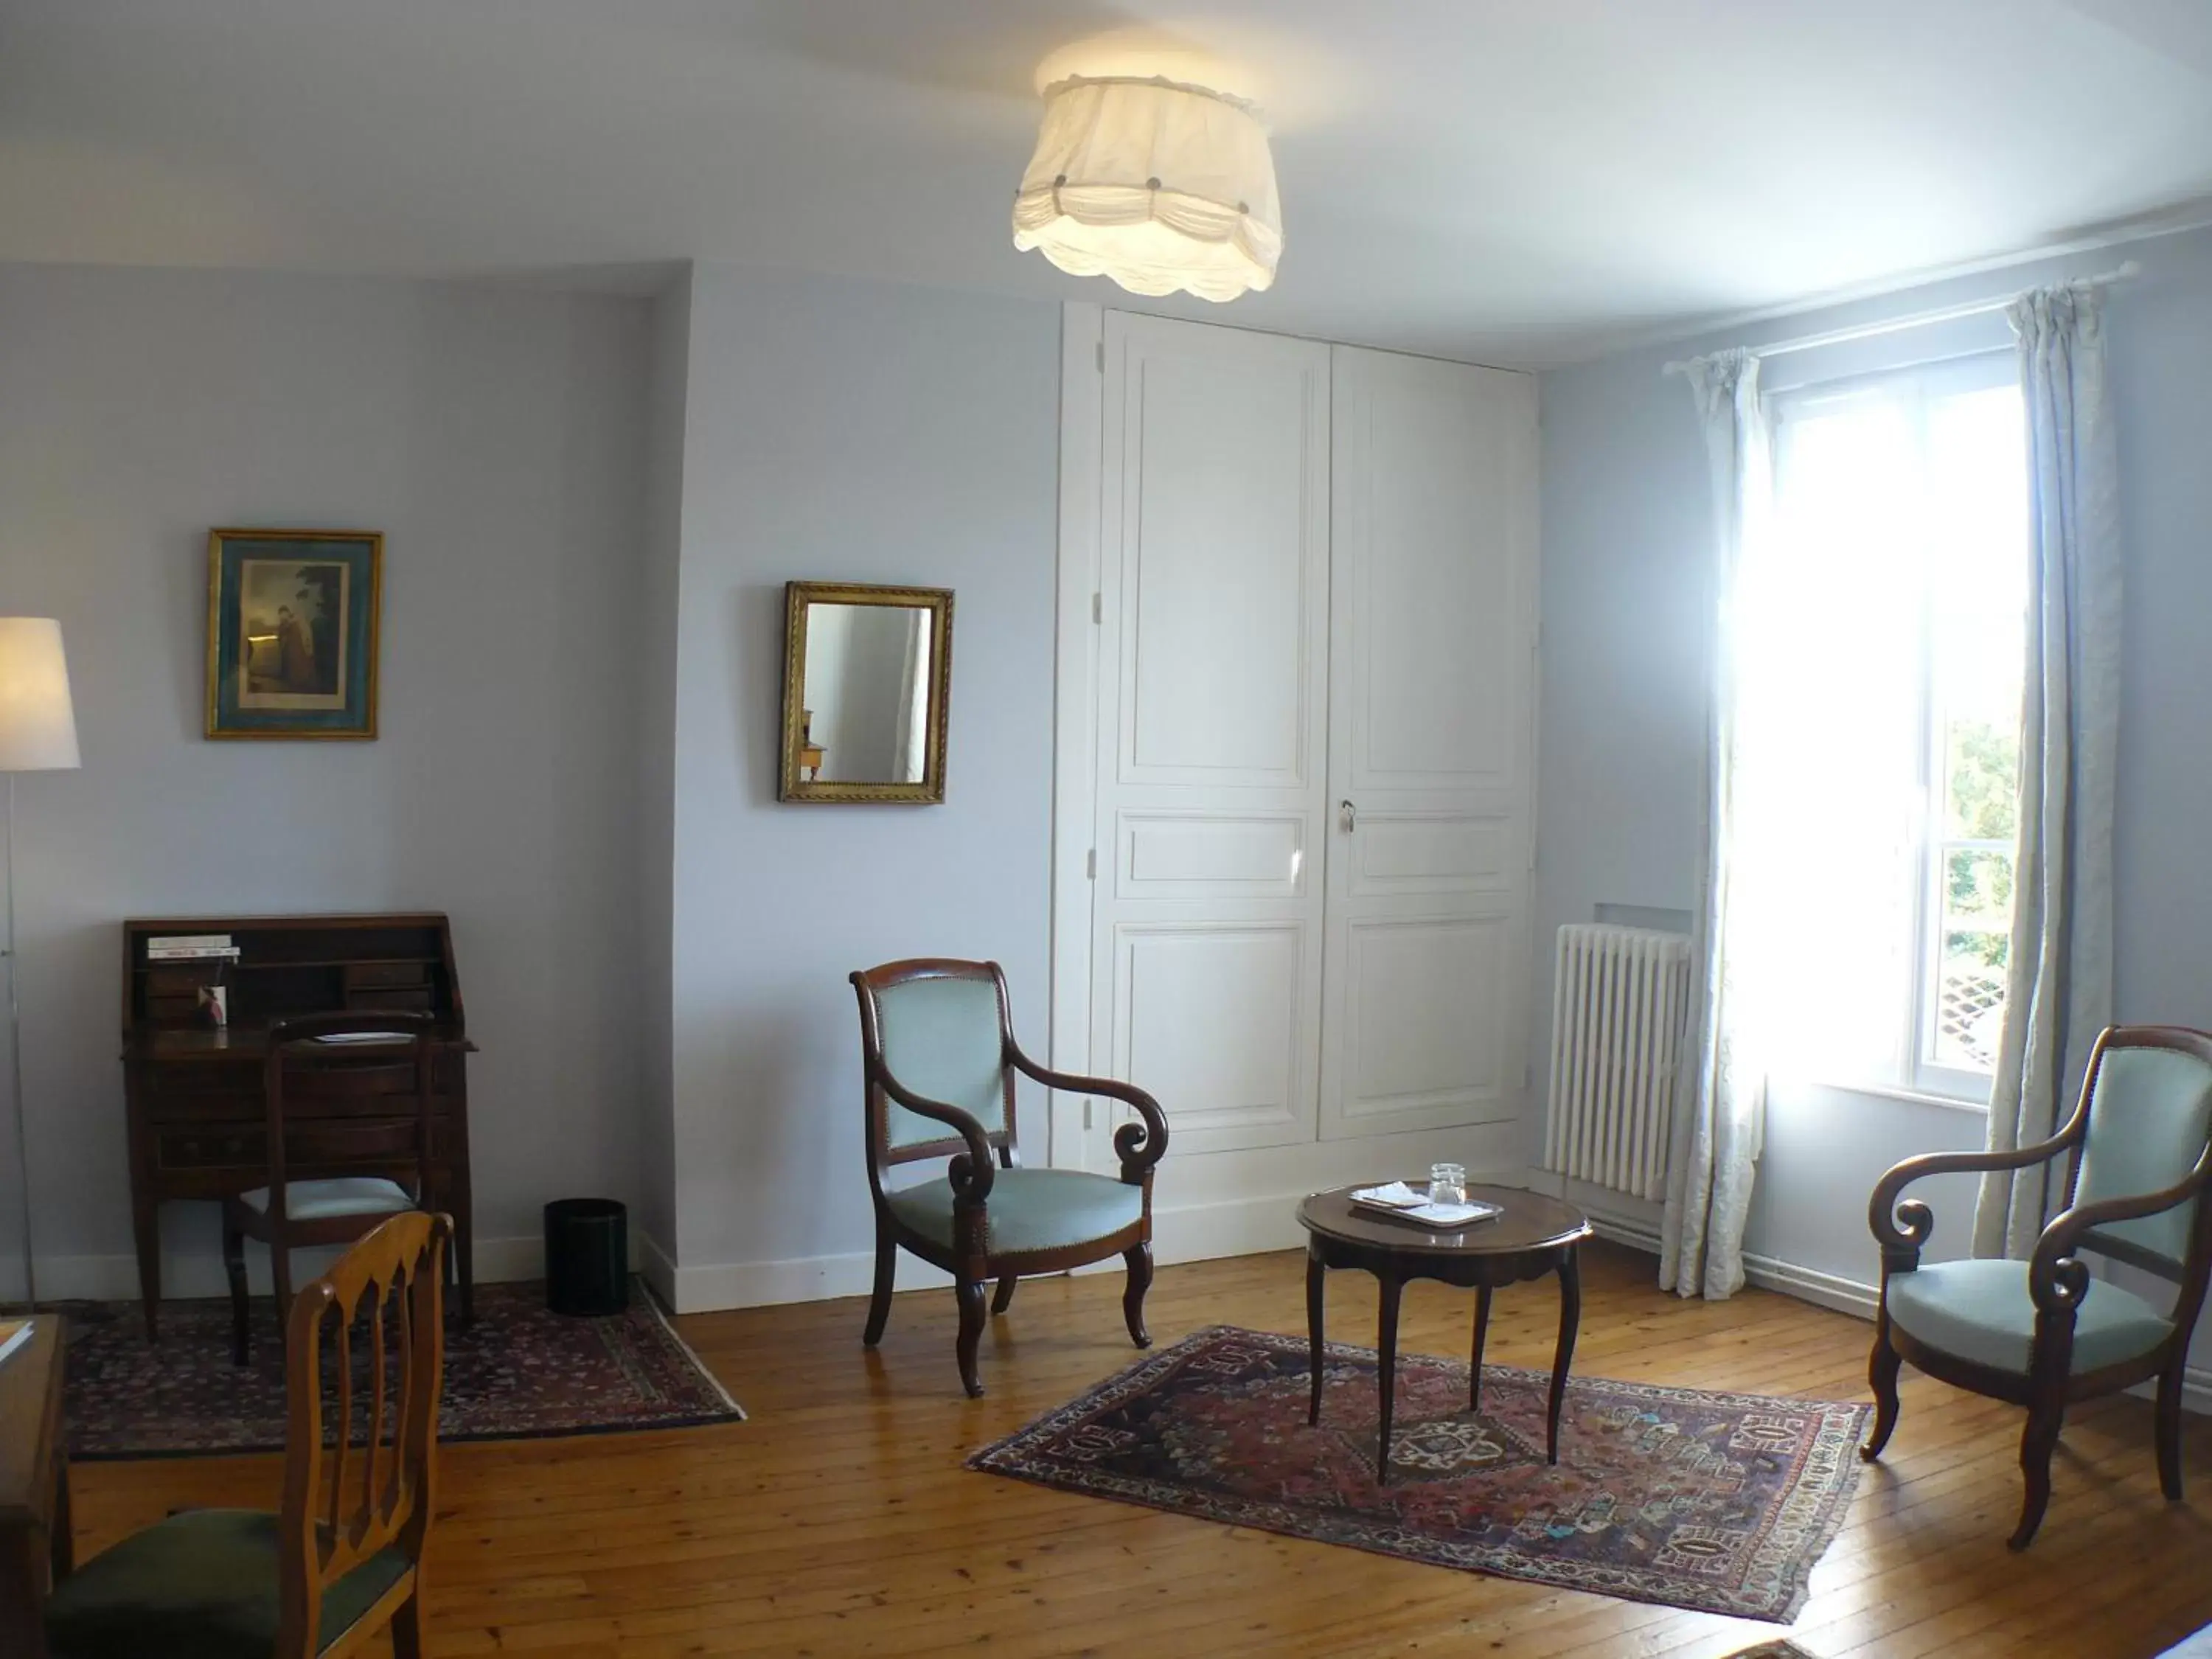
(587, 1256)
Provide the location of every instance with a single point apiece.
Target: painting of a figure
(293, 624)
(292, 633)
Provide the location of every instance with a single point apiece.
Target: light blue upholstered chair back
(943, 1041)
(2150, 1117)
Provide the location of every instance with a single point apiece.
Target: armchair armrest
(1903, 1229)
(971, 1172)
(1139, 1145)
(2056, 1278)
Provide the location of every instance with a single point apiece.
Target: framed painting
(292, 618)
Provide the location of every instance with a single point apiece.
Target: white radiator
(1619, 1007)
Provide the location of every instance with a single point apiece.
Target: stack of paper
(1396, 1198)
(190, 947)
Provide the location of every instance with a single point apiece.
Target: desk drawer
(220, 1108)
(216, 1147)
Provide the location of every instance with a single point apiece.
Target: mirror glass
(867, 717)
(864, 679)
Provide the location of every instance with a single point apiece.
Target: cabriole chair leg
(1881, 1376)
(970, 1292)
(880, 1300)
(1139, 1258)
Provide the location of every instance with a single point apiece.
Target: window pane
(1970, 995)
(1981, 780)
(1977, 892)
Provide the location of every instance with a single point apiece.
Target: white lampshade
(38, 728)
(1157, 185)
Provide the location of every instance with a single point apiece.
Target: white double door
(1313, 653)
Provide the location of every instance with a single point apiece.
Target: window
(1881, 634)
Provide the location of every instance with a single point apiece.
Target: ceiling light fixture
(1158, 184)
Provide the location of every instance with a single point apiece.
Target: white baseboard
(196, 1274)
(714, 1287)
(1807, 1284)
(653, 1263)
(1193, 1232)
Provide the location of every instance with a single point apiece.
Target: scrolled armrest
(1903, 1229)
(2056, 1278)
(1139, 1145)
(971, 1172)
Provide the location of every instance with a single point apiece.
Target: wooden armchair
(2041, 1333)
(341, 1560)
(938, 1051)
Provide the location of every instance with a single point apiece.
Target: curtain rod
(1916, 319)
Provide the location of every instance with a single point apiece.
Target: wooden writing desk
(34, 1511)
(197, 1114)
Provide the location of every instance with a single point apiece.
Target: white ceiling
(1518, 181)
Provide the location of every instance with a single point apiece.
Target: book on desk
(192, 1091)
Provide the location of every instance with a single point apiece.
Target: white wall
(845, 430)
(660, 555)
(1626, 596)
(495, 437)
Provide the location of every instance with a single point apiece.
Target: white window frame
(1918, 384)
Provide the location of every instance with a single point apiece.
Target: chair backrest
(940, 1027)
(348, 1106)
(360, 1476)
(2147, 1106)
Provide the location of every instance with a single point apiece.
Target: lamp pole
(38, 733)
(16, 1057)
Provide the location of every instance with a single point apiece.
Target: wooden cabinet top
(284, 966)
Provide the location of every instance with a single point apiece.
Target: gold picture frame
(293, 633)
(878, 708)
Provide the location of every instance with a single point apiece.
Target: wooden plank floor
(839, 1520)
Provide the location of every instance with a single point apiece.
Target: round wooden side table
(1531, 1237)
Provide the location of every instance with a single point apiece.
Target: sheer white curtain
(913, 759)
(1717, 1133)
(2060, 990)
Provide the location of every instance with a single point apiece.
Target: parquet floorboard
(839, 1520)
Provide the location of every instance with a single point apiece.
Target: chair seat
(1028, 1209)
(1982, 1311)
(320, 1201)
(200, 1585)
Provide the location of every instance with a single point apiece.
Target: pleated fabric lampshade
(1161, 186)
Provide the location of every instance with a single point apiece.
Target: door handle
(1348, 815)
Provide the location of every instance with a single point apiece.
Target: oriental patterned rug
(519, 1372)
(1720, 1503)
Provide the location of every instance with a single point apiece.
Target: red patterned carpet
(519, 1371)
(1720, 1503)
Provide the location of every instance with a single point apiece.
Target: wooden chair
(344, 1558)
(2041, 1333)
(332, 1104)
(938, 1047)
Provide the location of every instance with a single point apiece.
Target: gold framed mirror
(867, 679)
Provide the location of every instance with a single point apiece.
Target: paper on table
(364, 1036)
(1394, 1196)
(14, 1334)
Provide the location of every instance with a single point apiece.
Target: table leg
(146, 1234)
(22, 1593)
(1481, 1330)
(1570, 1314)
(61, 1535)
(1386, 1370)
(1315, 1273)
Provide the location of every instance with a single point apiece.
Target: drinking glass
(1446, 1184)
